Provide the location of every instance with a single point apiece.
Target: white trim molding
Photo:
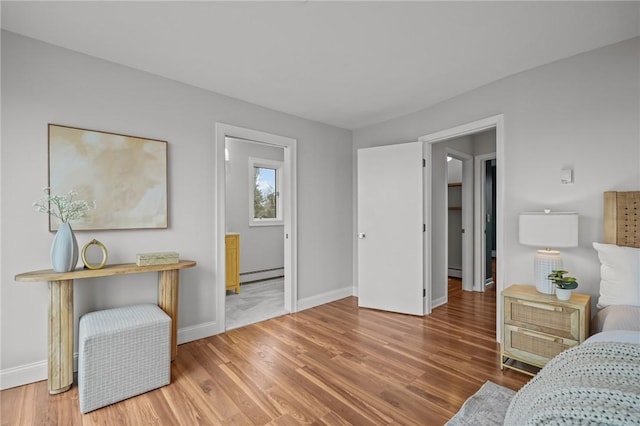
(277, 166)
(289, 196)
(24, 374)
(480, 237)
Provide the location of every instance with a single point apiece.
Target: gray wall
(45, 84)
(575, 113)
(454, 171)
(261, 247)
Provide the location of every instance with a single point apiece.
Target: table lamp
(551, 230)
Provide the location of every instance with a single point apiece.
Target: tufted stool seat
(122, 352)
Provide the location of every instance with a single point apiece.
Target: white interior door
(391, 228)
(467, 223)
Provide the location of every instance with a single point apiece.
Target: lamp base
(545, 262)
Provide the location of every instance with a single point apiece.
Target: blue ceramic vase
(64, 249)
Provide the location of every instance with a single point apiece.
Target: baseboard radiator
(261, 275)
(455, 272)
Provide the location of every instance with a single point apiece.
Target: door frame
(497, 122)
(480, 236)
(290, 213)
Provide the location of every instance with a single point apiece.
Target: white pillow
(619, 274)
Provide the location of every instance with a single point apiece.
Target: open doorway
(490, 214)
(256, 224)
(471, 206)
(486, 219)
(435, 149)
(254, 240)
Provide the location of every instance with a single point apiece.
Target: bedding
(617, 336)
(616, 317)
(619, 275)
(595, 383)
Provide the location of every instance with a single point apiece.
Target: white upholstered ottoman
(122, 352)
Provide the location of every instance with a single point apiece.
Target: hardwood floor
(334, 364)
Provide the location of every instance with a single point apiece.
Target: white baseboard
(23, 374)
(457, 273)
(321, 299)
(28, 373)
(248, 277)
(199, 331)
(439, 301)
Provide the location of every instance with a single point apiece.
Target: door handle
(362, 236)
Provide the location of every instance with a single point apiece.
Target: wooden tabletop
(108, 270)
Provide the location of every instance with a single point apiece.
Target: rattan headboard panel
(622, 218)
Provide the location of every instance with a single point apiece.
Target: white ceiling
(349, 64)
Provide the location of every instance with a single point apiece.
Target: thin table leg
(60, 336)
(168, 283)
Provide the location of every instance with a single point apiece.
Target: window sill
(259, 223)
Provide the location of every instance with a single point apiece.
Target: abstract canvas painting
(126, 176)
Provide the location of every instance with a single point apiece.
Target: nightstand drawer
(535, 347)
(538, 326)
(562, 321)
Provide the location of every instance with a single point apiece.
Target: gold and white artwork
(126, 176)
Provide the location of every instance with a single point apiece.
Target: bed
(597, 382)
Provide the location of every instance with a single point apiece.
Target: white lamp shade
(551, 230)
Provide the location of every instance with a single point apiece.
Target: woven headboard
(622, 218)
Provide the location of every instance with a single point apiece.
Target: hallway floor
(256, 302)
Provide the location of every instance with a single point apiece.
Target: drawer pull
(540, 306)
(539, 335)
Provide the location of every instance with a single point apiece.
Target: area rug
(487, 407)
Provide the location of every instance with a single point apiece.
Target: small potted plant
(564, 285)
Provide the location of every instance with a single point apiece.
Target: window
(264, 193)
(265, 204)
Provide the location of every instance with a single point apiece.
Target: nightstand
(536, 327)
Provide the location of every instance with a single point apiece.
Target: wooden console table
(60, 336)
